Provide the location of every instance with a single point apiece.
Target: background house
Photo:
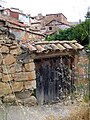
(50, 23)
(15, 13)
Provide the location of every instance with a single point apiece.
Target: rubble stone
(4, 89)
(30, 66)
(9, 98)
(6, 78)
(30, 101)
(16, 51)
(4, 49)
(12, 68)
(22, 76)
(0, 75)
(17, 86)
(30, 84)
(1, 59)
(9, 59)
(23, 94)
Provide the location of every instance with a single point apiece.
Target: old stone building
(50, 23)
(34, 72)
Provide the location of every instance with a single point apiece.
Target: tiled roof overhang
(49, 47)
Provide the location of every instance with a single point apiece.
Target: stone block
(4, 89)
(8, 69)
(13, 46)
(9, 59)
(1, 58)
(9, 98)
(4, 49)
(6, 78)
(18, 67)
(22, 76)
(30, 84)
(23, 94)
(17, 86)
(30, 101)
(12, 68)
(16, 51)
(0, 45)
(32, 75)
(0, 75)
(30, 66)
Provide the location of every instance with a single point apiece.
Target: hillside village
(45, 25)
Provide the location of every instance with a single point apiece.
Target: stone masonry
(17, 71)
(17, 81)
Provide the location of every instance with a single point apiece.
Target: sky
(72, 9)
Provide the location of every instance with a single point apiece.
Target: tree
(88, 14)
(79, 32)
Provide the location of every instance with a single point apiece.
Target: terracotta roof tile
(46, 46)
(11, 20)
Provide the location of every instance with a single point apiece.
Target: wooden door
(53, 79)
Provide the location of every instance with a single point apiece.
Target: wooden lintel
(50, 55)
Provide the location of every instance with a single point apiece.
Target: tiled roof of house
(11, 20)
(17, 25)
(49, 46)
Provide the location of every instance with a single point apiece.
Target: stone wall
(17, 81)
(81, 67)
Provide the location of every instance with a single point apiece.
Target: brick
(30, 66)
(9, 59)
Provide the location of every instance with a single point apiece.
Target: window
(50, 28)
(35, 27)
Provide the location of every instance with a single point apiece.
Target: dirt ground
(57, 111)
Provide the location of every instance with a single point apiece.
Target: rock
(4, 49)
(1, 102)
(18, 67)
(17, 86)
(30, 101)
(11, 36)
(0, 76)
(9, 41)
(9, 59)
(22, 76)
(0, 45)
(9, 69)
(6, 78)
(30, 66)
(13, 47)
(16, 51)
(23, 94)
(4, 89)
(1, 58)
(32, 75)
(9, 98)
(12, 68)
(30, 84)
